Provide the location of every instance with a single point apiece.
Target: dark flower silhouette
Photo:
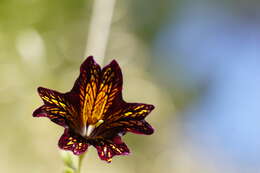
(94, 112)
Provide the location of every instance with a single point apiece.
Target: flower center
(87, 130)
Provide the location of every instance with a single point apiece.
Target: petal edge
(108, 149)
(71, 141)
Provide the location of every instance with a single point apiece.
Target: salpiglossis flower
(94, 112)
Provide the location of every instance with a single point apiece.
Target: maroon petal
(140, 127)
(54, 114)
(60, 108)
(89, 75)
(52, 97)
(136, 111)
(111, 74)
(135, 126)
(73, 142)
(97, 89)
(109, 97)
(85, 90)
(109, 148)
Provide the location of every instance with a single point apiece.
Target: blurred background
(196, 61)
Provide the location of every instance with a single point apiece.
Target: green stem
(80, 162)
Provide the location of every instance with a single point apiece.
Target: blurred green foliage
(148, 16)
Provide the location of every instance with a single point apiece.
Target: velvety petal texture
(94, 112)
(53, 113)
(109, 148)
(71, 141)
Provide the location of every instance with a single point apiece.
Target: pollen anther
(91, 127)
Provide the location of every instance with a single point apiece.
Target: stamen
(120, 134)
(99, 123)
(84, 131)
(91, 127)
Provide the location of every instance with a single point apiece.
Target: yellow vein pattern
(88, 94)
(56, 104)
(98, 90)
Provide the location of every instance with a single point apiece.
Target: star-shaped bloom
(94, 112)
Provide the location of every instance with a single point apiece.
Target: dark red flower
(94, 112)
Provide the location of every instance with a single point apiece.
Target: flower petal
(133, 111)
(134, 126)
(139, 127)
(97, 89)
(86, 87)
(107, 149)
(109, 92)
(129, 119)
(112, 81)
(62, 102)
(73, 142)
(51, 112)
(89, 77)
